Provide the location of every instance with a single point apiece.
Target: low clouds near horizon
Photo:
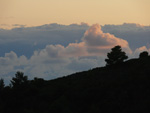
(50, 59)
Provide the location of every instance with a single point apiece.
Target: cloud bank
(50, 60)
(29, 39)
(25, 40)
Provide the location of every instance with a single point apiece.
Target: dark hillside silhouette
(118, 88)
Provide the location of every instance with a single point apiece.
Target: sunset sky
(38, 12)
(53, 38)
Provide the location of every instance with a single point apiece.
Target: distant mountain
(121, 88)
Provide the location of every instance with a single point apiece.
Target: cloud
(33, 38)
(54, 51)
(97, 41)
(131, 32)
(75, 50)
(58, 60)
(10, 61)
(94, 42)
(30, 39)
(84, 63)
(140, 50)
(18, 25)
(4, 25)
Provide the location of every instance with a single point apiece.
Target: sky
(54, 50)
(50, 39)
(39, 12)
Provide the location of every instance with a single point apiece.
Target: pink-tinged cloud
(94, 43)
(76, 50)
(141, 49)
(99, 42)
(94, 36)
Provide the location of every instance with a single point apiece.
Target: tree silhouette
(2, 85)
(116, 56)
(19, 80)
(143, 54)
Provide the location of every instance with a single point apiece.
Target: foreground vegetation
(122, 87)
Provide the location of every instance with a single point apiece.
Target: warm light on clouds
(98, 42)
(94, 43)
(54, 50)
(33, 12)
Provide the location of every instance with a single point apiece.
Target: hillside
(121, 88)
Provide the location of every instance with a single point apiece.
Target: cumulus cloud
(50, 60)
(93, 41)
(30, 39)
(56, 60)
(98, 42)
(10, 61)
